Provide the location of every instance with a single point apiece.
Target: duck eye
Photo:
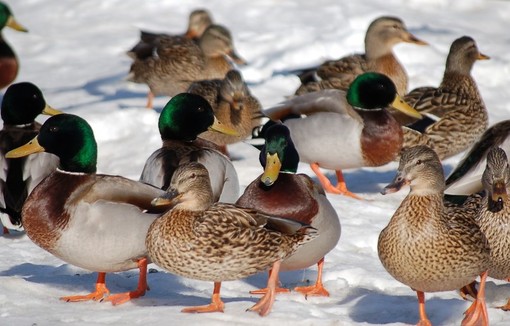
(200, 109)
(53, 129)
(193, 176)
(418, 162)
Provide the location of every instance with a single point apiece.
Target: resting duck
(428, 246)
(94, 221)
(21, 104)
(233, 105)
(178, 61)
(228, 242)
(382, 35)
(183, 118)
(282, 192)
(343, 130)
(461, 113)
(9, 64)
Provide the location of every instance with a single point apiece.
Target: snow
(75, 53)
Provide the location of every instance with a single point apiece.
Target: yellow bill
(171, 198)
(405, 108)
(219, 127)
(29, 148)
(51, 111)
(413, 39)
(482, 56)
(12, 23)
(271, 170)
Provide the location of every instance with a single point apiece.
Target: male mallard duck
(233, 105)
(178, 61)
(343, 130)
(8, 62)
(21, 104)
(97, 222)
(462, 113)
(428, 246)
(227, 242)
(382, 34)
(282, 192)
(182, 119)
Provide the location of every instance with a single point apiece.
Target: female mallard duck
(428, 246)
(178, 61)
(462, 113)
(345, 130)
(282, 192)
(382, 34)
(228, 242)
(232, 104)
(97, 222)
(182, 119)
(8, 61)
(21, 104)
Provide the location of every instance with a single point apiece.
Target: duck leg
(340, 188)
(469, 290)
(318, 288)
(263, 307)
(150, 100)
(99, 294)
(216, 304)
(277, 289)
(477, 314)
(424, 320)
(121, 298)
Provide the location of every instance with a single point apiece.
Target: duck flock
(197, 213)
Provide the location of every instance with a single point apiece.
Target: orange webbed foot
(505, 307)
(476, 314)
(216, 304)
(424, 322)
(313, 290)
(263, 307)
(120, 298)
(100, 293)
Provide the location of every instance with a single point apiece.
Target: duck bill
(171, 198)
(29, 148)
(12, 23)
(482, 56)
(237, 59)
(271, 170)
(413, 39)
(499, 192)
(221, 128)
(402, 106)
(398, 182)
(51, 111)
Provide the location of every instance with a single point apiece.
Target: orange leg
(150, 100)
(477, 314)
(506, 307)
(99, 294)
(263, 307)
(340, 188)
(318, 288)
(121, 298)
(277, 289)
(424, 321)
(216, 304)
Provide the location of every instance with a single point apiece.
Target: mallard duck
(430, 247)
(343, 130)
(8, 61)
(382, 34)
(93, 221)
(182, 119)
(233, 105)
(178, 61)
(282, 192)
(219, 242)
(21, 104)
(457, 104)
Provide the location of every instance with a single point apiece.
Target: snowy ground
(75, 53)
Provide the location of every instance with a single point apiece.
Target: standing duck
(21, 104)
(343, 130)
(232, 104)
(280, 191)
(428, 246)
(462, 115)
(178, 61)
(8, 61)
(183, 118)
(219, 242)
(382, 34)
(93, 221)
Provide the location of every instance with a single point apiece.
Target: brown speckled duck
(282, 192)
(428, 246)
(233, 105)
(382, 34)
(457, 103)
(219, 242)
(178, 61)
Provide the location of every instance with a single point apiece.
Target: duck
(281, 191)
(337, 130)
(227, 242)
(233, 104)
(428, 246)
(183, 118)
(455, 115)
(9, 64)
(21, 104)
(97, 222)
(382, 35)
(178, 61)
